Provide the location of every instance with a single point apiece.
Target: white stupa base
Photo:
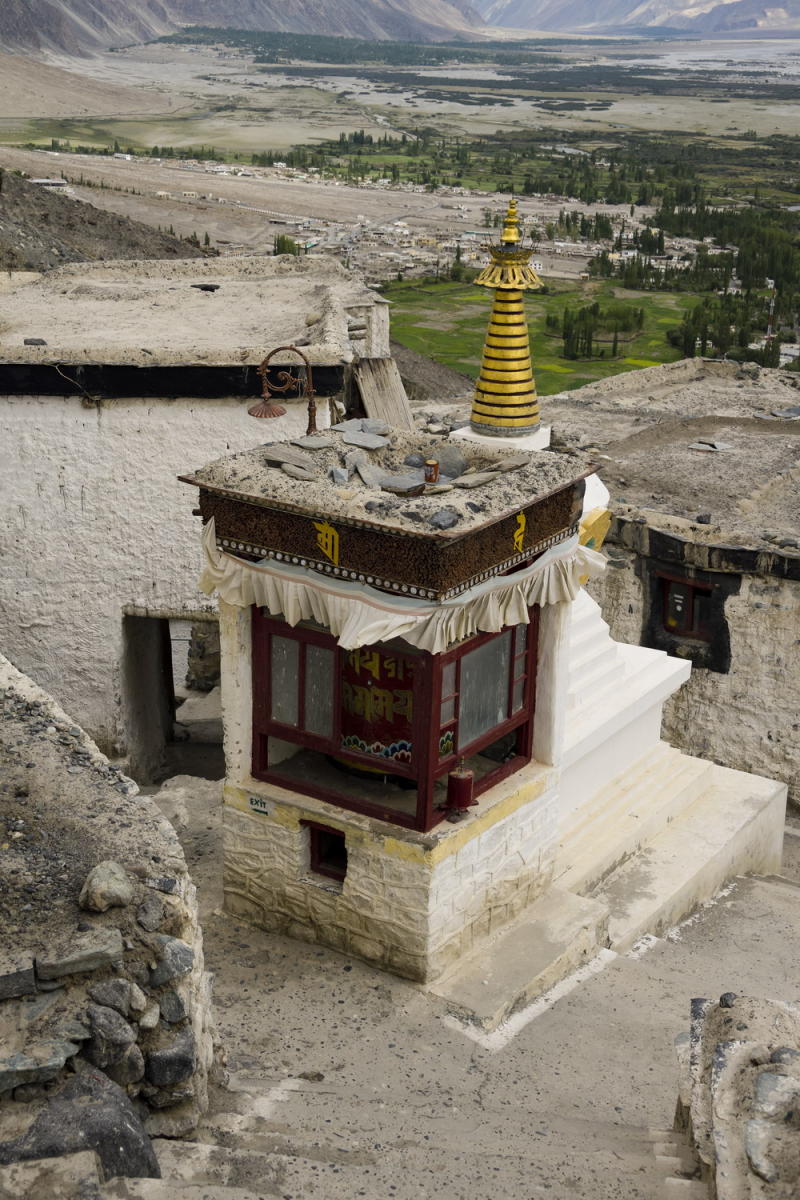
(539, 440)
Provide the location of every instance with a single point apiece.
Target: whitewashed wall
(95, 524)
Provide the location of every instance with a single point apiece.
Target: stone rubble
(344, 484)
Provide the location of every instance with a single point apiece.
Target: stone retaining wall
(740, 1096)
(101, 966)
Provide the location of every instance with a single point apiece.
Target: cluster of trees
(283, 244)
(583, 329)
(765, 236)
(725, 325)
(321, 48)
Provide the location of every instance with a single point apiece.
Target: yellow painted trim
(522, 375)
(291, 815)
(460, 837)
(502, 422)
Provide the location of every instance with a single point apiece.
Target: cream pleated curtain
(360, 615)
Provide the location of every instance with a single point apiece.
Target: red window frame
(691, 627)
(427, 765)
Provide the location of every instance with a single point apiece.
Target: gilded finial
(511, 232)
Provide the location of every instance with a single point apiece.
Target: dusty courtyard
(367, 1088)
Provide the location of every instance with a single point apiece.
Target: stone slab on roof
(149, 313)
(252, 475)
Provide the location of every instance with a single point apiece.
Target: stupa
(437, 757)
(506, 405)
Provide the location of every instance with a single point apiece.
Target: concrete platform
(679, 829)
(735, 827)
(555, 935)
(626, 814)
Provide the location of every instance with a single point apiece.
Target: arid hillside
(41, 229)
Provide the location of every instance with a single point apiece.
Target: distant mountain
(78, 26)
(84, 26)
(613, 16)
(399, 20)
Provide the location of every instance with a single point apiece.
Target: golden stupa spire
(506, 404)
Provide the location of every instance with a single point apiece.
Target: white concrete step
(601, 671)
(647, 678)
(628, 814)
(588, 650)
(734, 827)
(592, 815)
(556, 934)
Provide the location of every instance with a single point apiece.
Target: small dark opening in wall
(328, 851)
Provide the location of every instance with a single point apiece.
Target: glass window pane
(448, 710)
(319, 690)
(284, 658)
(483, 700)
(521, 639)
(518, 695)
(449, 679)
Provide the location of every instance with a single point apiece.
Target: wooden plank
(382, 392)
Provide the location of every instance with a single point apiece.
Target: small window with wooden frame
(327, 851)
(685, 607)
(378, 729)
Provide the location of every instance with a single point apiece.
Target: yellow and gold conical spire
(506, 404)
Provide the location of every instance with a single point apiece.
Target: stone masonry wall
(748, 719)
(96, 524)
(739, 1067)
(101, 961)
(411, 903)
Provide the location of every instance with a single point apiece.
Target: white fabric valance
(360, 615)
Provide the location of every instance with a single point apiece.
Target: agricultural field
(447, 322)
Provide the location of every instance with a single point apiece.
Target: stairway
(678, 1167)
(251, 1150)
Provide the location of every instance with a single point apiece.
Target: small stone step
(734, 827)
(168, 1189)
(195, 1162)
(43, 1178)
(682, 1166)
(556, 934)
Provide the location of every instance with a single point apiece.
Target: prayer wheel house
(435, 752)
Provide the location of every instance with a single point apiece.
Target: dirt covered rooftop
(712, 443)
(201, 312)
(361, 471)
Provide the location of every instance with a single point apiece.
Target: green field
(447, 322)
